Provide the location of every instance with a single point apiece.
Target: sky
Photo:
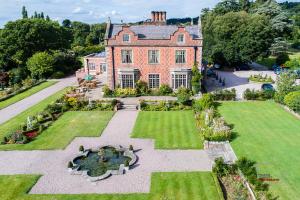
(97, 11)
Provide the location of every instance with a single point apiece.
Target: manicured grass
(171, 186)
(68, 126)
(170, 129)
(271, 136)
(26, 93)
(14, 123)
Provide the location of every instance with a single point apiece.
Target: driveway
(20, 106)
(237, 80)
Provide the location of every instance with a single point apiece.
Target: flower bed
(261, 79)
(162, 106)
(6, 94)
(240, 180)
(212, 127)
(35, 125)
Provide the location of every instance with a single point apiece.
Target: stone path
(57, 180)
(18, 107)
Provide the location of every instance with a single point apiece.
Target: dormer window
(180, 38)
(126, 38)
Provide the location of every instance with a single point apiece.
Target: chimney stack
(158, 17)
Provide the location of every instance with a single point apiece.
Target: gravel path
(18, 107)
(56, 179)
(238, 80)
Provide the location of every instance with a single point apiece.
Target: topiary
(81, 148)
(70, 165)
(130, 147)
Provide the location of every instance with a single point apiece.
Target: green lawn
(68, 126)
(165, 186)
(26, 93)
(170, 129)
(270, 136)
(14, 123)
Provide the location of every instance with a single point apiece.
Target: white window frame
(92, 66)
(151, 81)
(127, 59)
(182, 53)
(179, 80)
(128, 77)
(179, 37)
(150, 54)
(126, 38)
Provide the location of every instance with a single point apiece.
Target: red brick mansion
(153, 52)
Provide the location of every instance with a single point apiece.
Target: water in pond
(97, 165)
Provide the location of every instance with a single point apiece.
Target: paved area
(52, 165)
(18, 107)
(237, 80)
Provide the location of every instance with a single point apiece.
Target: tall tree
(80, 32)
(20, 39)
(66, 23)
(24, 13)
(40, 65)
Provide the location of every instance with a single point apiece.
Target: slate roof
(97, 55)
(155, 31)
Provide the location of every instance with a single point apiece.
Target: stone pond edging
(128, 153)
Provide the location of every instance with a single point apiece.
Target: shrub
(282, 58)
(114, 103)
(123, 92)
(183, 95)
(141, 87)
(205, 102)
(106, 90)
(222, 169)
(58, 74)
(81, 148)
(165, 89)
(292, 100)
(293, 64)
(258, 95)
(285, 85)
(28, 82)
(224, 95)
(196, 78)
(70, 165)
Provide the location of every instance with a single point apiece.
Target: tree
(237, 37)
(96, 35)
(245, 5)
(285, 84)
(24, 13)
(279, 46)
(40, 65)
(227, 6)
(66, 23)
(20, 39)
(80, 32)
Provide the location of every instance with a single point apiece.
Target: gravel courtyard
(238, 80)
(52, 165)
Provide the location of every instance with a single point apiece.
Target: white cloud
(77, 10)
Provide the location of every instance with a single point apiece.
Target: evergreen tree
(47, 18)
(24, 13)
(35, 15)
(42, 15)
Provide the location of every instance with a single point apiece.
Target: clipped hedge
(224, 95)
(258, 95)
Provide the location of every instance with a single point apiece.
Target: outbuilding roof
(101, 54)
(155, 31)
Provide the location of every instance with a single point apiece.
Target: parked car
(267, 87)
(210, 73)
(242, 67)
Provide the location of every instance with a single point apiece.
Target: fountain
(99, 164)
